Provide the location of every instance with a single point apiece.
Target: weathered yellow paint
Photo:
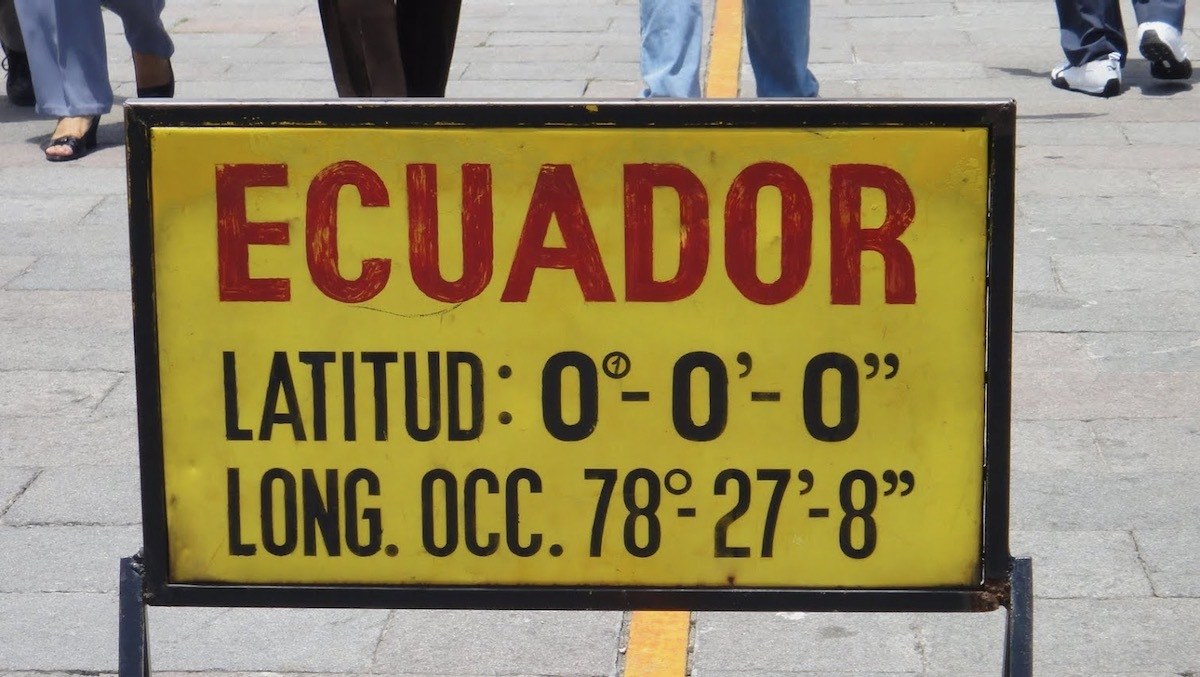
(928, 419)
(658, 644)
(725, 51)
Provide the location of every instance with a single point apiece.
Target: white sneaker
(1162, 45)
(1101, 77)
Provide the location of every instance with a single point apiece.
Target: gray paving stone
(264, 640)
(205, 43)
(500, 642)
(69, 394)
(1128, 635)
(501, 71)
(1172, 559)
(601, 89)
(1050, 235)
(524, 38)
(962, 644)
(1042, 352)
(75, 273)
(535, 17)
(87, 225)
(1096, 564)
(64, 559)
(270, 71)
(624, 53)
(57, 331)
(1091, 273)
(22, 210)
(13, 481)
(50, 311)
(515, 89)
(1063, 446)
(1100, 501)
(1157, 351)
(1034, 273)
(1148, 311)
(82, 177)
(14, 266)
(46, 441)
(258, 90)
(121, 401)
(1149, 445)
(296, 36)
(759, 643)
(48, 632)
(79, 496)
(894, 71)
(1101, 182)
(1162, 132)
(26, 348)
(1057, 132)
(547, 53)
(1074, 395)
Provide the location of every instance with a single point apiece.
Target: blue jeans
(68, 55)
(776, 39)
(1091, 29)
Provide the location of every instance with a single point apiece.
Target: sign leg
(1018, 635)
(133, 653)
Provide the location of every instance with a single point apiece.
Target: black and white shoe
(1101, 77)
(1162, 45)
(18, 84)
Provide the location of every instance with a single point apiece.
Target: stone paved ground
(1106, 362)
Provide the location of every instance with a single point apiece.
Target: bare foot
(151, 70)
(72, 126)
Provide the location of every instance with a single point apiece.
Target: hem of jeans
(73, 112)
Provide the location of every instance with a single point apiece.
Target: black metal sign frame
(996, 564)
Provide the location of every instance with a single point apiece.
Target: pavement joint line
(111, 389)
(725, 51)
(658, 644)
(1142, 564)
(20, 492)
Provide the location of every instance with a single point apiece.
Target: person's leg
(18, 82)
(672, 32)
(1160, 38)
(1090, 30)
(427, 31)
(10, 29)
(144, 30)
(777, 40)
(152, 47)
(1167, 11)
(64, 40)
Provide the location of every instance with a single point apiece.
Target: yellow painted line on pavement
(658, 644)
(658, 640)
(725, 51)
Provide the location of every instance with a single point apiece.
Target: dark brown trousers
(390, 47)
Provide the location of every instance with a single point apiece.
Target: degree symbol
(684, 478)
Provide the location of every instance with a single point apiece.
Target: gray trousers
(10, 30)
(67, 54)
(1092, 29)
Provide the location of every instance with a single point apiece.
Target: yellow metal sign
(747, 357)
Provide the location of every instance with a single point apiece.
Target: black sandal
(79, 145)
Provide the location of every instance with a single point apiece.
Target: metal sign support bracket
(134, 648)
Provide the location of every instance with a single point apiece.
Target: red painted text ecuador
(556, 201)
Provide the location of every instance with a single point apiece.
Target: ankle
(150, 70)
